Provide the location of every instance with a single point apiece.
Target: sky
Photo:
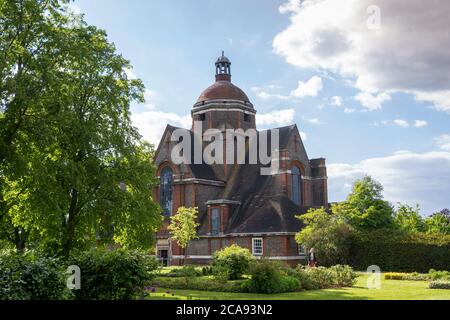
(366, 81)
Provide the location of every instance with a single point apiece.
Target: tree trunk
(69, 237)
(19, 240)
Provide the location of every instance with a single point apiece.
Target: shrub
(303, 277)
(438, 275)
(207, 271)
(232, 262)
(45, 279)
(415, 276)
(344, 275)
(112, 275)
(321, 277)
(439, 284)
(267, 277)
(206, 283)
(185, 271)
(31, 276)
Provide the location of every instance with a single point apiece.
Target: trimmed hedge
(205, 283)
(406, 276)
(184, 271)
(440, 284)
(396, 251)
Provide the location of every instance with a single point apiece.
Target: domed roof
(223, 90)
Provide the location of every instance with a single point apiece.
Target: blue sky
(369, 100)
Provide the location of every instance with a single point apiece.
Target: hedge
(31, 276)
(396, 251)
(112, 274)
(439, 285)
(206, 283)
(405, 276)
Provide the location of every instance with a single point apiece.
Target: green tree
(29, 51)
(327, 232)
(409, 219)
(183, 226)
(76, 172)
(365, 208)
(438, 222)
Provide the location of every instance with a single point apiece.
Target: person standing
(312, 258)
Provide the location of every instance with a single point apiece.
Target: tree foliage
(439, 222)
(409, 219)
(74, 170)
(327, 232)
(183, 226)
(365, 207)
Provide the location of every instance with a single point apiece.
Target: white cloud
(74, 9)
(149, 96)
(265, 95)
(405, 175)
(336, 101)
(410, 52)
(310, 88)
(440, 99)
(130, 74)
(401, 123)
(314, 121)
(303, 135)
(372, 102)
(443, 142)
(420, 123)
(151, 124)
(278, 117)
(349, 110)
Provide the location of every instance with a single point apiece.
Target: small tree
(183, 226)
(327, 232)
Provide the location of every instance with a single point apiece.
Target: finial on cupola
(223, 68)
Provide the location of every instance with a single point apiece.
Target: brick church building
(236, 203)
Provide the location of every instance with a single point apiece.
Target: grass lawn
(390, 290)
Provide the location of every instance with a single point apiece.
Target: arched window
(296, 192)
(215, 221)
(165, 191)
